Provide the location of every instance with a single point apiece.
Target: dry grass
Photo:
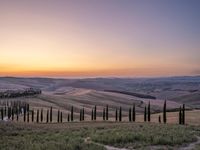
(72, 136)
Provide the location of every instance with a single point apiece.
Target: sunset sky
(90, 38)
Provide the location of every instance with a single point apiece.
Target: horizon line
(102, 77)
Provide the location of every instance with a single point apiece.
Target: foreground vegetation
(86, 136)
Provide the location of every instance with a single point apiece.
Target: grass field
(90, 136)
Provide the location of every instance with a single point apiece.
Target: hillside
(120, 91)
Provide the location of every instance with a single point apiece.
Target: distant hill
(179, 89)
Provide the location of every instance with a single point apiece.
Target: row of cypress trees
(12, 109)
(25, 110)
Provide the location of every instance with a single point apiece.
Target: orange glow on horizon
(79, 39)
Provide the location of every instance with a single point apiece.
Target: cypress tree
(72, 113)
(12, 114)
(47, 119)
(41, 116)
(27, 108)
(17, 114)
(9, 112)
(1, 113)
(149, 112)
(27, 116)
(159, 119)
(51, 114)
(145, 114)
(106, 112)
(116, 115)
(92, 115)
(164, 113)
(68, 118)
(5, 111)
(133, 113)
(58, 118)
(120, 114)
(183, 114)
(129, 114)
(61, 117)
(95, 112)
(24, 115)
(33, 115)
(180, 115)
(38, 116)
(83, 114)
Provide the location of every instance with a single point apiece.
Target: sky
(99, 38)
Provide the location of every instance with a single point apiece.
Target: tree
(106, 112)
(95, 112)
(51, 114)
(164, 112)
(27, 108)
(120, 114)
(129, 114)
(27, 116)
(24, 115)
(58, 118)
(149, 112)
(5, 111)
(133, 113)
(180, 115)
(61, 117)
(68, 118)
(83, 114)
(41, 115)
(183, 114)
(37, 116)
(2, 114)
(12, 111)
(116, 115)
(92, 115)
(8, 112)
(17, 114)
(72, 113)
(33, 115)
(145, 114)
(47, 118)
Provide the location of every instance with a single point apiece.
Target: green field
(96, 135)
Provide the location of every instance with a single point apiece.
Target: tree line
(14, 109)
(19, 93)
